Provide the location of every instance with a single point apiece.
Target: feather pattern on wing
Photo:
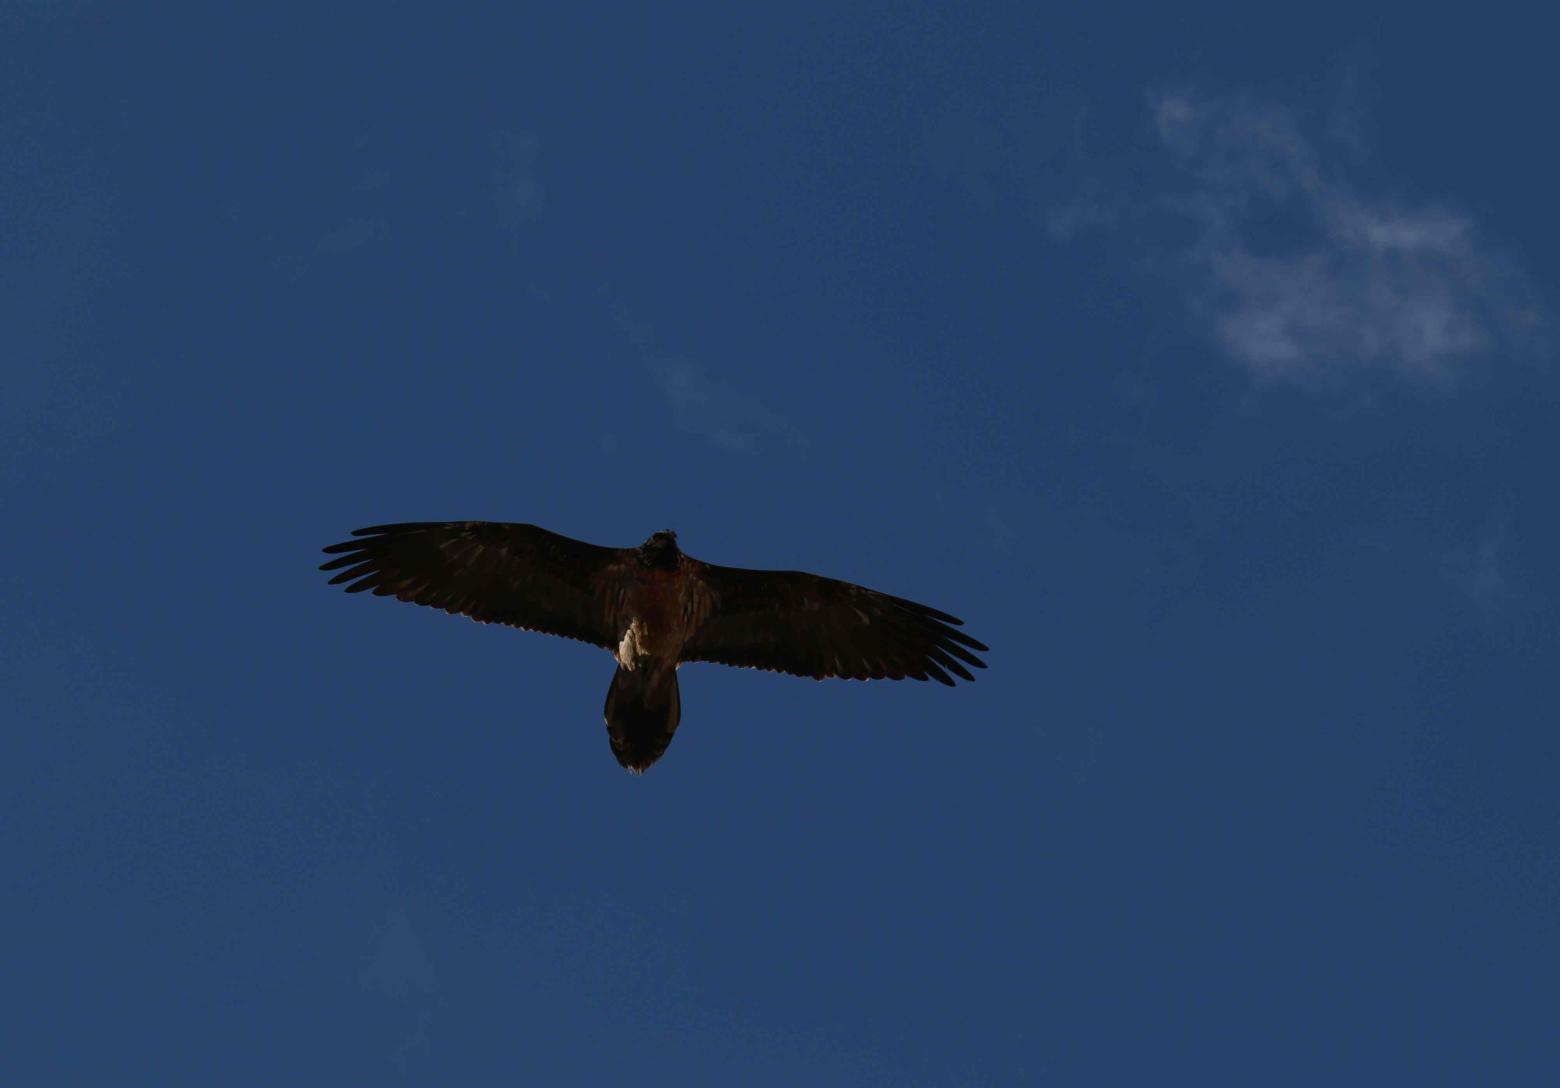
(807, 625)
(494, 572)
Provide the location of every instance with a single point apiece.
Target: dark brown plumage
(654, 608)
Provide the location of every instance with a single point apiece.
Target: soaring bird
(654, 608)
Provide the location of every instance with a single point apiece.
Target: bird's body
(658, 609)
(654, 608)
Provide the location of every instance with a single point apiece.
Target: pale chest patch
(660, 610)
(635, 644)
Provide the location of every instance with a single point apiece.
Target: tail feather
(642, 712)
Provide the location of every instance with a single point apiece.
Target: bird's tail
(643, 708)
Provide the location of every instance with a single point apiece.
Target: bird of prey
(654, 608)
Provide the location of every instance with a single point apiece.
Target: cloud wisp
(703, 404)
(707, 405)
(1291, 266)
(1347, 281)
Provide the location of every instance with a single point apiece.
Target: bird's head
(660, 550)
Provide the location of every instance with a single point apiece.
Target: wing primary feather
(397, 527)
(922, 609)
(937, 674)
(355, 572)
(963, 655)
(942, 658)
(960, 636)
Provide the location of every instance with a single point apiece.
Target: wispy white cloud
(1479, 569)
(706, 404)
(1275, 226)
(1296, 271)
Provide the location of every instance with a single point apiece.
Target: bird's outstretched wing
(496, 572)
(787, 621)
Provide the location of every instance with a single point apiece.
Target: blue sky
(1205, 366)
